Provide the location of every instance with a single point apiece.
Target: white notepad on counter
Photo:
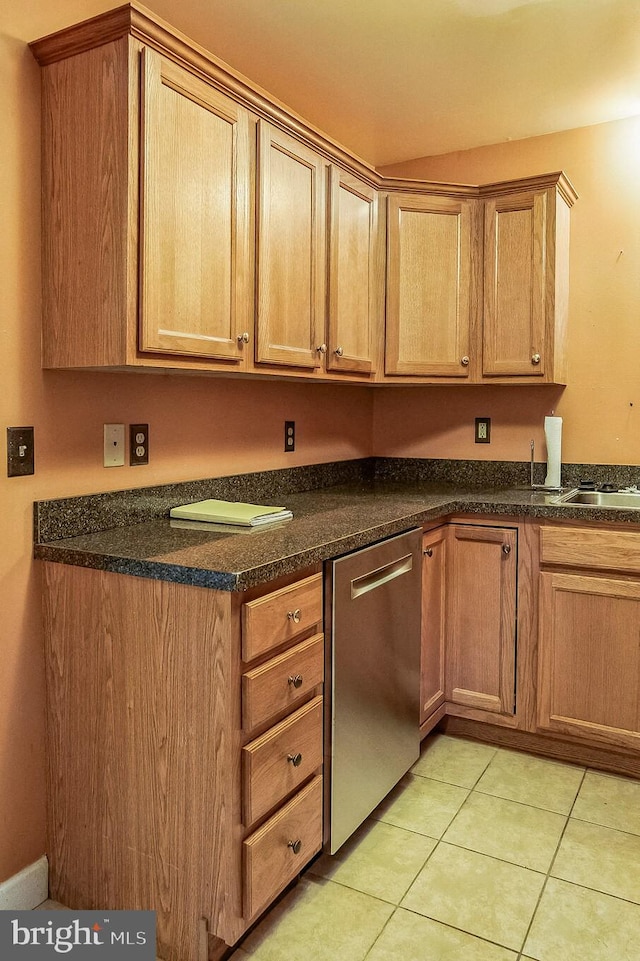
(230, 512)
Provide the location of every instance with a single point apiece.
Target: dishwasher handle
(382, 575)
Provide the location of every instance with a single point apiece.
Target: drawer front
(280, 682)
(274, 764)
(590, 548)
(277, 851)
(274, 619)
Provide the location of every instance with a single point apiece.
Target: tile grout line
(552, 862)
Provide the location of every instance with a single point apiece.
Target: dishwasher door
(374, 681)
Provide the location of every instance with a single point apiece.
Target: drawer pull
(295, 845)
(428, 551)
(295, 679)
(506, 548)
(296, 759)
(295, 616)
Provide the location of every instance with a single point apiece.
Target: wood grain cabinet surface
(202, 226)
(430, 296)
(434, 619)
(589, 658)
(165, 793)
(526, 276)
(481, 618)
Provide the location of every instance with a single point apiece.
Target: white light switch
(114, 445)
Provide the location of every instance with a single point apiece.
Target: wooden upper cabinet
(526, 241)
(429, 276)
(196, 258)
(481, 617)
(353, 274)
(291, 255)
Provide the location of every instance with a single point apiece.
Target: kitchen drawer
(275, 618)
(277, 762)
(280, 682)
(590, 548)
(277, 851)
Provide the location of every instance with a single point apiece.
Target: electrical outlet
(20, 451)
(289, 435)
(483, 430)
(114, 445)
(138, 444)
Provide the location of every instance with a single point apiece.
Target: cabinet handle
(536, 359)
(243, 338)
(428, 551)
(295, 845)
(295, 616)
(506, 548)
(295, 679)
(464, 361)
(339, 351)
(322, 349)
(295, 759)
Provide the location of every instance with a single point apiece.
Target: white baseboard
(26, 889)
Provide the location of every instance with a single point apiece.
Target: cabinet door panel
(481, 623)
(428, 289)
(291, 257)
(434, 550)
(353, 306)
(589, 668)
(196, 261)
(515, 285)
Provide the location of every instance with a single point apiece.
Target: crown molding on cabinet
(135, 20)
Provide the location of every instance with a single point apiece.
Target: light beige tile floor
(480, 854)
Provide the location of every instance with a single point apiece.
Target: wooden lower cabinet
(589, 657)
(434, 559)
(147, 729)
(481, 618)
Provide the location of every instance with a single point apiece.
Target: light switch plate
(20, 451)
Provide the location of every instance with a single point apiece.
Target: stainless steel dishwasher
(373, 678)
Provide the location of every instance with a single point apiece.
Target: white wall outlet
(114, 445)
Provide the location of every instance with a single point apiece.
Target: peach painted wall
(601, 404)
(199, 427)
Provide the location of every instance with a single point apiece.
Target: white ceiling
(398, 79)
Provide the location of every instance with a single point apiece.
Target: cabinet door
(481, 621)
(434, 548)
(429, 274)
(515, 285)
(291, 255)
(353, 301)
(589, 658)
(196, 258)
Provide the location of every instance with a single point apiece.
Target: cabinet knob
(295, 616)
(295, 679)
(295, 759)
(243, 338)
(295, 845)
(506, 548)
(464, 361)
(536, 359)
(339, 351)
(322, 349)
(428, 551)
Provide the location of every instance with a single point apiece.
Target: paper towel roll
(553, 435)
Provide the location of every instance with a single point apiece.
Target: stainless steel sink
(620, 499)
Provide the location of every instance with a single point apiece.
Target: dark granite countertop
(327, 522)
